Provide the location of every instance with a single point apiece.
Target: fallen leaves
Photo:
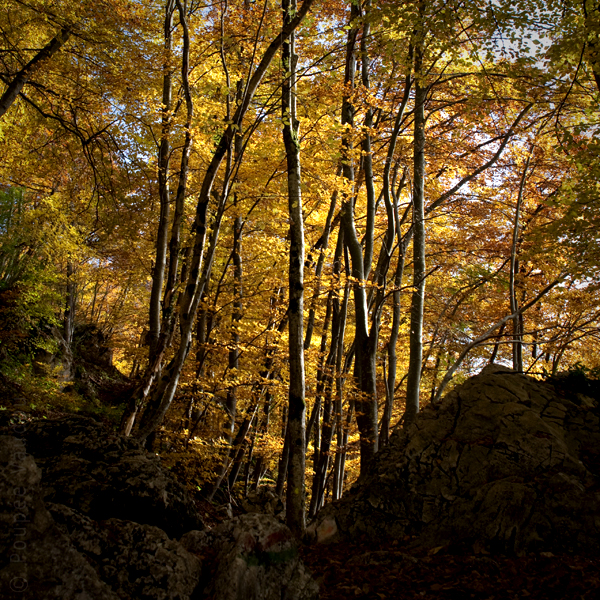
(380, 571)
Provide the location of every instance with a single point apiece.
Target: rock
(251, 557)
(62, 554)
(104, 475)
(264, 500)
(37, 561)
(136, 561)
(48, 364)
(91, 346)
(505, 463)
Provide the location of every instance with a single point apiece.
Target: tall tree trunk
(367, 157)
(393, 231)
(202, 257)
(342, 431)
(69, 318)
(236, 315)
(164, 154)
(366, 404)
(413, 385)
(390, 383)
(322, 245)
(514, 270)
(234, 352)
(155, 347)
(295, 497)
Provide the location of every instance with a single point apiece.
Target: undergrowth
(45, 396)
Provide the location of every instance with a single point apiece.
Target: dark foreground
(364, 572)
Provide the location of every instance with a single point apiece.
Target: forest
(296, 223)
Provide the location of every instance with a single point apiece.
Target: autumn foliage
(144, 189)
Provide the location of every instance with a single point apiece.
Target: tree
(202, 252)
(296, 429)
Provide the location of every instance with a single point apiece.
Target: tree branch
(22, 77)
(484, 336)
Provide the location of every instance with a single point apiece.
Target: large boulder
(54, 552)
(251, 557)
(104, 475)
(136, 561)
(505, 463)
(84, 526)
(37, 561)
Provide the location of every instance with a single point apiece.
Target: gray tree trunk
(201, 257)
(164, 153)
(295, 496)
(365, 371)
(517, 321)
(413, 384)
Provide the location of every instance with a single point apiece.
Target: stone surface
(506, 463)
(37, 561)
(136, 561)
(251, 557)
(264, 500)
(105, 475)
(77, 544)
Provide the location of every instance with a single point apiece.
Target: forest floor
(392, 570)
(384, 570)
(381, 571)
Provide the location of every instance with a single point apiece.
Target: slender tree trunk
(394, 223)
(390, 384)
(321, 374)
(156, 344)
(318, 487)
(233, 362)
(322, 244)
(69, 318)
(295, 497)
(342, 432)
(234, 457)
(514, 270)
(240, 445)
(164, 154)
(236, 316)
(283, 465)
(413, 385)
(365, 372)
(201, 257)
(366, 144)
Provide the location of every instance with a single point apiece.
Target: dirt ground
(379, 572)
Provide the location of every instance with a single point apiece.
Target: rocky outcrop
(37, 561)
(84, 365)
(264, 500)
(506, 463)
(105, 475)
(94, 375)
(136, 561)
(84, 526)
(253, 556)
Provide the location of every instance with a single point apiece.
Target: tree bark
(295, 497)
(164, 153)
(365, 372)
(202, 257)
(413, 384)
(517, 321)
